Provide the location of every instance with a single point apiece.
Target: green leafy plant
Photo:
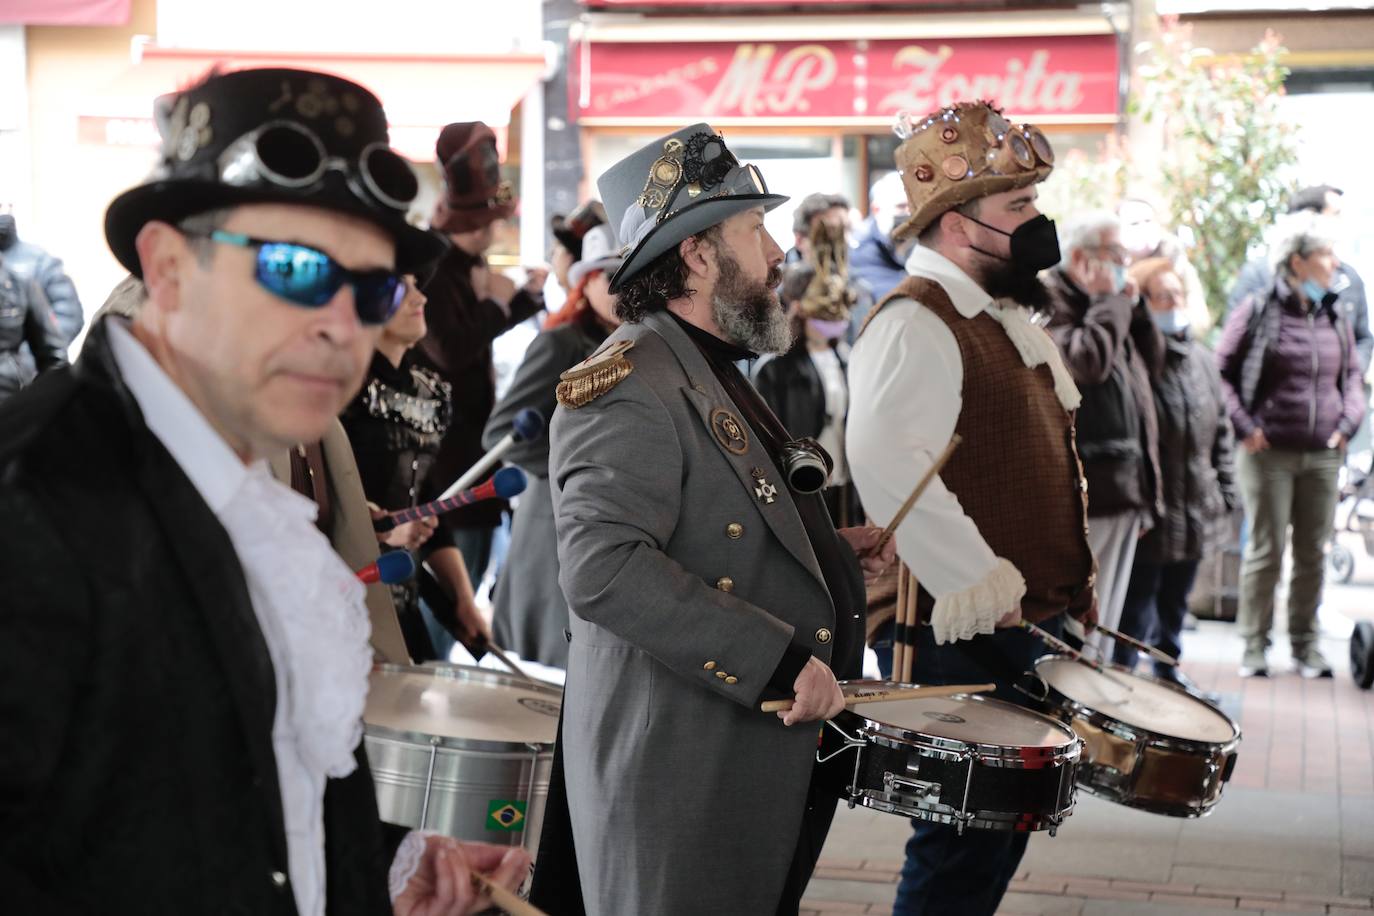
(1227, 148)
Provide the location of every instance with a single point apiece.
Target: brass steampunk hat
(674, 188)
(963, 152)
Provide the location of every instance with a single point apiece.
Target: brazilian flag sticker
(505, 815)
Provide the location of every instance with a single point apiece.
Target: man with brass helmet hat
(198, 748)
(1000, 534)
(698, 579)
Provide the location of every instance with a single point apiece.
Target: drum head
(1137, 701)
(462, 703)
(972, 720)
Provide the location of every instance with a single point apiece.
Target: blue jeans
(946, 874)
(1156, 603)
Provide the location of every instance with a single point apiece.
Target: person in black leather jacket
(26, 318)
(32, 262)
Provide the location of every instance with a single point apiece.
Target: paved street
(1294, 832)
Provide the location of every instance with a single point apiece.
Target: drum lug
(901, 785)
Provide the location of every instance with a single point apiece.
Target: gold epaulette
(595, 375)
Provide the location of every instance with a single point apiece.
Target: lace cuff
(407, 861)
(976, 609)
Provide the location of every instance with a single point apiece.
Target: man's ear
(954, 228)
(699, 256)
(164, 255)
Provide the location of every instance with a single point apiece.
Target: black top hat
(674, 188)
(274, 136)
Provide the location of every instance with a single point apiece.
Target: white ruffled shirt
(307, 602)
(906, 381)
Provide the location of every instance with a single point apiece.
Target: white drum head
(459, 702)
(972, 721)
(1137, 701)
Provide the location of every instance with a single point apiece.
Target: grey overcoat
(685, 586)
(529, 611)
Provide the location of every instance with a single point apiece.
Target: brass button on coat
(725, 584)
(709, 666)
(823, 635)
(722, 675)
(734, 531)
(732, 680)
(279, 879)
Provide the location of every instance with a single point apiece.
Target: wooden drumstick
(1054, 642)
(511, 903)
(913, 594)
(1161, 657)
(885, 696)
(921, 485)
(899, 646)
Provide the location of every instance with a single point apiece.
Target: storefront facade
(812, 98)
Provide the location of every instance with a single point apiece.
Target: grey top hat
(600, 251)
(674, 188)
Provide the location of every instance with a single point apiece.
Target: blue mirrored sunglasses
(310, 278)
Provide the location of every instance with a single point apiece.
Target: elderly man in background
(1113, 349)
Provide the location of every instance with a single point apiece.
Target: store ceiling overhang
(625, 27)
(420, 93)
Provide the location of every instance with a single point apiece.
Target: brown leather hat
(474, 194)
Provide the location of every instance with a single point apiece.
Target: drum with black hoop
(462, 751)
(969, 761)
(1146, 743)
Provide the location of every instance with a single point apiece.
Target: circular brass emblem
(672, 145)
(924, 173)
(823, 636)
(955, 167)
(949, 134)
(666, 171)
(729, 431)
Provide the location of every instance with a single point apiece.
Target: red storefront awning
(64, 12)
(420, 93)
(857, 82)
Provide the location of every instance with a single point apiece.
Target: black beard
(1003, 280)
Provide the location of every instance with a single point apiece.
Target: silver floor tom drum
(969, 761)
(462, 751)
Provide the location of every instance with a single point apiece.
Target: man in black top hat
(183, 659)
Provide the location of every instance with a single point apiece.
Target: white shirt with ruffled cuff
(307, 602)
(906, 379)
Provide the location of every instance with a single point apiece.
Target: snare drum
(462, 751)
(1147, 744)
(970, 761)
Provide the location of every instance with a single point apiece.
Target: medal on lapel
(763, 489)
(729, 431)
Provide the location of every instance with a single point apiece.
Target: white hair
(886, 191)
(1301, 234)
(1086, 231)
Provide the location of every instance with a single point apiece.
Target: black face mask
(1034, 244)
(7, 230)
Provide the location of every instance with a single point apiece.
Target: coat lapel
(749, 460)
(201, 548)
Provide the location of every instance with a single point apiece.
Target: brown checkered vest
(1016, 474)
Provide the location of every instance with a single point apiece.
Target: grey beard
(749, 314)
(769, 332)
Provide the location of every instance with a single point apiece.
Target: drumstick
(899, 646)
(1054, 642)
(884, 696)
(921, 485)
(1157, 655)
(913, 595)
(507, 901)
(506, 660)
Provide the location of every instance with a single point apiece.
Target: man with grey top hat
(698, 579)
(184, 660)
(529, 613)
